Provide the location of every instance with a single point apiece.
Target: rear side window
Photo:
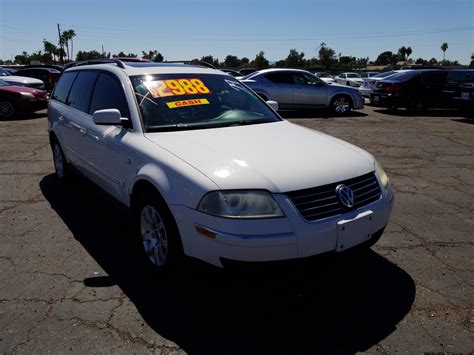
(108, 93)
(63, 86)
(81, 90)
(280, 78)
(436, 79)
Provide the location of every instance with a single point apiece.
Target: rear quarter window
(63, 86)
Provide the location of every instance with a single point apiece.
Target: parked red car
(14, 99)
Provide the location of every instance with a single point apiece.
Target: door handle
(61, 118)
(83, 131)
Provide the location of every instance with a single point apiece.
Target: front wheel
(341, 105)
(7, 109)
(158, 233)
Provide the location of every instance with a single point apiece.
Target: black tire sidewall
(14, 110)
(66, 171)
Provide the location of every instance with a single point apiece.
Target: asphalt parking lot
(73, 279)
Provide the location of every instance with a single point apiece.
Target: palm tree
(65, 38)
(444, 47)
(408, 52)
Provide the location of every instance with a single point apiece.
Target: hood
(21, 79)
(20, 89)
(278, 156)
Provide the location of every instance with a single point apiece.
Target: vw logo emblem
(345, 194)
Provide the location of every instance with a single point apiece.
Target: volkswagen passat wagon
(209, 169)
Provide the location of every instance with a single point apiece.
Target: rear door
(432, 86)
(108, 162)
(73, 115)
(280, 85)
(309, 91)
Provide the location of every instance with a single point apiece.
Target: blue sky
(191, 29)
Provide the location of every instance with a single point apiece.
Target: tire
(340, 105)
(158, 233)
(61, 167)
(7, 109)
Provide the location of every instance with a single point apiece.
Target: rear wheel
(60, 164)
(7, 109)
(341, 105)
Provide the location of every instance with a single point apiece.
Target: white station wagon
(209, 169)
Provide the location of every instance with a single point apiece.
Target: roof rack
(96, 61)
(192, 62)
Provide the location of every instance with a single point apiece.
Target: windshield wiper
(165, 128)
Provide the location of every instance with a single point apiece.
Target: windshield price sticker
(184, 103)
(176, 87)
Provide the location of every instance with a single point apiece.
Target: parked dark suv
(414, 90)
(420, 89)
(48, 75)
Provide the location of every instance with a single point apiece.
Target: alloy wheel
(154, 237)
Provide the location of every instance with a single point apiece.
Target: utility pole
(103, 56)
(60, 46)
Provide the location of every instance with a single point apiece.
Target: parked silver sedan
(299, 89)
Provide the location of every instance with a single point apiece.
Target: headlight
(28, 95)
(381, 174)
(240, 204)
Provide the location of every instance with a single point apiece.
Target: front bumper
(285, 238)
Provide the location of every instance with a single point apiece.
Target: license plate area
(351, 232)
(376, 98)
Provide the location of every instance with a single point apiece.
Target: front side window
(353, 75)
(108, 93)
(197, 101)
(81, 90)
(305, 79)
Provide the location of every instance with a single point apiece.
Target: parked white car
(209, 169)
(328, 79)
(24, 81)
(349, 79)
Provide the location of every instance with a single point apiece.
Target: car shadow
(425, 113)
(321, 113)
(329, 304)
(24, 117)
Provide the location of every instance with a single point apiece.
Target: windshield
(353, 75)
(323, 75)
(195, 101)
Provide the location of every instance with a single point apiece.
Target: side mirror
(107, 117)
(273, 105)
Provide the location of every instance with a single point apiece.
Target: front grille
(322, 202)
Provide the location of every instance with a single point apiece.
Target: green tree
(444, 48)
(260, 62)
(22, 58)
(231, 61)
(50, 50)
(295, 59)
(408, 52)
(433, 61)
(327, 56)
(402, 53)
(154, 56)
(88, 55)
(244, 62)
(421, 61)
(384, 58)
(66, 37)
(211, 60)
